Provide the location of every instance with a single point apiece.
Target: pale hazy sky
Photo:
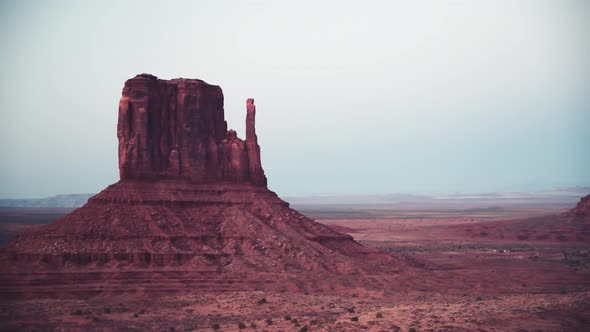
(352, 96)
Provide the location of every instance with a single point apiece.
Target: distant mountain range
(558, 197)
(71, 201)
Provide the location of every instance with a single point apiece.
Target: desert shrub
(77, 312)
(479, 298)
(294, 321)
(354, 319)
(253, 325)
(287, 317)
(379, 315)
(351, 309)
(241, 325)
(142, 311)
(135, 315)
(107, 310)
(215, 326)
(262, 300)
(303, 329)
(269, 321)
(412, 329)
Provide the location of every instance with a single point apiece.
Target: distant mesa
(572, 226)
(191, 212)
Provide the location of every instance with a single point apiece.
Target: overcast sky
(352, 96)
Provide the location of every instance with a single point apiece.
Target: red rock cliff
(177, 129)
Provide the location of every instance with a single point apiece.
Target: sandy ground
(468, 284)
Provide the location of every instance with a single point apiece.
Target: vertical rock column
(177, 129)
(256, 172)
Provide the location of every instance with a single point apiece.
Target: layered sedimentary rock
(177, 129)
(191, 212)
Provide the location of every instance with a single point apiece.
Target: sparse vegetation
(262, 300)
(354, 319)
(287, 317)
(106, 310)
(215, 327)
(379, 315)
(77, 312)
(412, 329)
(351, 310)
(269, 321)
(241, 325)
(303, 329)
(253, 325)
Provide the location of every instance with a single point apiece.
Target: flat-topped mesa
(177, 129)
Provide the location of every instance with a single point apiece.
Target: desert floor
(469, 283)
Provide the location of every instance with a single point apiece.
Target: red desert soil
(465, 283)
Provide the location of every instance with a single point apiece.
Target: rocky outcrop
(191, 212)
(177, 129)
(582, 210)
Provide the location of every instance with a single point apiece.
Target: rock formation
(191, 212)
(582, 210)
(177, 129)
(572, 226)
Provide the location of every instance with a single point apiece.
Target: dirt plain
(466, 282)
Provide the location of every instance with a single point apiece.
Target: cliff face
(176, 129)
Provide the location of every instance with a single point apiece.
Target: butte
(191, 213)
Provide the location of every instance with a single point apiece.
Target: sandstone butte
(190, 213)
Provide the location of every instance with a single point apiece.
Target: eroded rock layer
(170, 237)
